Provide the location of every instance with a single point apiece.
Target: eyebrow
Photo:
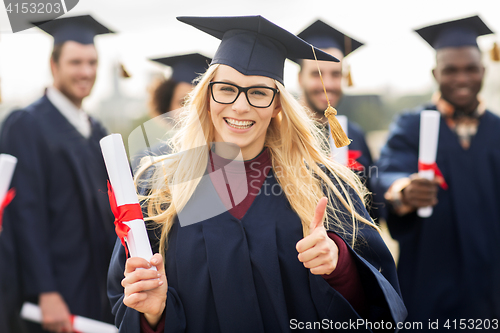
(253, 85)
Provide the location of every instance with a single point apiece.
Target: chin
(462, 104)
(240, 143)
(319, 111)
(81, 94)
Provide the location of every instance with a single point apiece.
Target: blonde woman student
(257, 230)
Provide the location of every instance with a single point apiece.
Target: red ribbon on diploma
(352, 163)
(5, 202)
(437, 172)
(123, 213)
(72, 318)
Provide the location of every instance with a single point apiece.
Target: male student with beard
(338, 44)
(60, 223)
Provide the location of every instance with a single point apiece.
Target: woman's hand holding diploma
(318, 251)
(145, 289)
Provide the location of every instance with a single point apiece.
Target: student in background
(448, 263)
(170, 94)
(166, 98)
(336, 43)
(61, 223)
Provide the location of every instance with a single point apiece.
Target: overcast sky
(394, 58)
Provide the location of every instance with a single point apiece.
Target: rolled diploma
(341, 154)
(121, 180)
(7, 166)
(33, 313)
(428, 142)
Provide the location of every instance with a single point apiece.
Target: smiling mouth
(83, 84)
(462, 91)
(239, 124)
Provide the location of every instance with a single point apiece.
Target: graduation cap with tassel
(458, 33)
(252, 45)
(324, 36)
(185, 67)
(455, 33)
(81, 29)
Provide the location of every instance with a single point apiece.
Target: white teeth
(240, 124)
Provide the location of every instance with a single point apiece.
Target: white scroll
(120, 177)
(7, 167)
(428, 143)
(341, 154)
(33, 313)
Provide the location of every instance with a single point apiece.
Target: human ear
(277, 108)
(53, 67)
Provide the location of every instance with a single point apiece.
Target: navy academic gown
(9, 284)
(230, 275)
(60, 218)
(448, 265)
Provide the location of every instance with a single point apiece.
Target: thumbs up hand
(317, 251)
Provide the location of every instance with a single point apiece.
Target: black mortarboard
(81, 29)
(457, 33)
(186, 67)
(324, 36)
(253, 45)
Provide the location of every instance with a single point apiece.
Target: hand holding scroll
(421, 192)
(146, 289)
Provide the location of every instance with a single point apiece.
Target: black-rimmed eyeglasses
(228, 93)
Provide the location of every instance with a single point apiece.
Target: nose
(87, 70)
(462, 78)
(241, 104)
(332, 83)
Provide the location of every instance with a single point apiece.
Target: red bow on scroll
(352, 160)
(72, 317)
(123, 213)
(5, 202)
(437, 172)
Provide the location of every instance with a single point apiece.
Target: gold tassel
(123, 72)
(338, 134)
(495, 52)
(349, 77)
(347, 50)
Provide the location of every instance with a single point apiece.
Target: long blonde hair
(295, 147)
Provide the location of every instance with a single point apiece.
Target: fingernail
(158, 275)
(160, 283)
